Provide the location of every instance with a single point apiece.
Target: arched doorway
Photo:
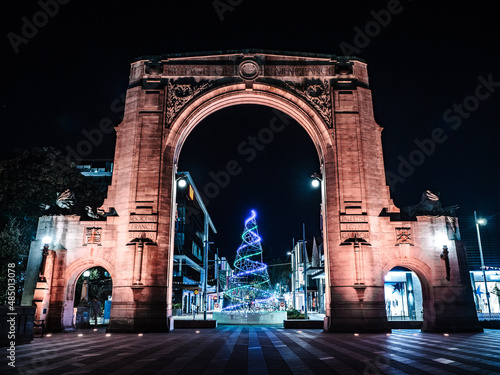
(285, 106)
(256, 167)
(93, 296)
(86, 280)
(403, 295)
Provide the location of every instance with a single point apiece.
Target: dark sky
(424, 62)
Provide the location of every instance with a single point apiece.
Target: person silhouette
(96, 309)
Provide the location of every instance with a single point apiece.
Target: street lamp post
(482, 222)
(217, 270)
(292, 260)
(293, 280)
(305, 268)
(205, 269)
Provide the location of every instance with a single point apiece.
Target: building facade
(193, 230)
(312, 260)
(365, 234)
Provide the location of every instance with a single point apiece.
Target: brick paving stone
(258, 350)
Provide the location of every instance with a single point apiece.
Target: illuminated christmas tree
(249, 287)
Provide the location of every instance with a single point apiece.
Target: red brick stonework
(168, 96)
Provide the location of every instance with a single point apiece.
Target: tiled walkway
(258, 350)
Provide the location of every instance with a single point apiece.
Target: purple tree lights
(249, 288)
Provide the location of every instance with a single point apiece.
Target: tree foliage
(12, 250)
(37, 176)
(31, 179)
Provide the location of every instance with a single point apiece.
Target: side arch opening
(87, 278)
(403, 295)
(93, 296)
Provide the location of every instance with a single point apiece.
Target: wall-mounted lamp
(47, 240)
(317, 178)
(181, 180)
(444, 256)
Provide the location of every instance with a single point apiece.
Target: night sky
(426, 61)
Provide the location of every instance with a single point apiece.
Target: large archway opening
(262, 160)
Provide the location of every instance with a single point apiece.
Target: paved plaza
(258, 350)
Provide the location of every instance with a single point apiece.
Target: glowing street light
(316, 182)
(482, 222)
(181, 180)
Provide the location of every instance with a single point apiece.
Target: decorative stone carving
(452, 228)
(249, 70)
(343, 68)
(93, 236)
(429, 205)
(317, 94)
(154, 68)
(403, 236)
(179, 94)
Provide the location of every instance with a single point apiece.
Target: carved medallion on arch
(249, 70)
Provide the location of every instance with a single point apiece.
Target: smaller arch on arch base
(71, 276)
(447, 306)
(406, 291)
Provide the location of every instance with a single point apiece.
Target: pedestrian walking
(96, 309)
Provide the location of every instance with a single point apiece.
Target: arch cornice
(261, 94)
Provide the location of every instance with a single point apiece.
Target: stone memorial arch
(365, 235)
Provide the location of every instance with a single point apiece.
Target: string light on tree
(249, 287)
